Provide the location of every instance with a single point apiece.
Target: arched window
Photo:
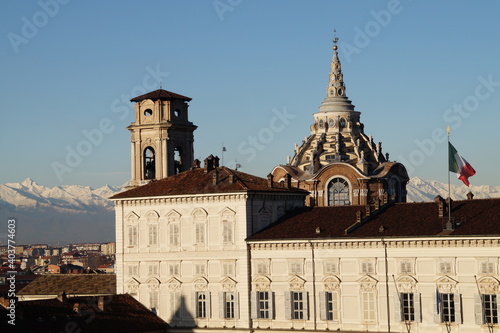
(338, 192)
(149, 163)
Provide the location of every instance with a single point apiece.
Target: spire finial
(335, 39)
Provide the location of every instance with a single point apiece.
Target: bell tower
(161, 136)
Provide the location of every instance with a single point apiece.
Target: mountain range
(77, 214)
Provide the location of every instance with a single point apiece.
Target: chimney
(440, 201)
(288, 180)
(196, 164)
(358, 216)
(270, 180)
(209, 163)
(62, 297)
(470, 195)
(368, 211)
(100, 303)
(386, 198)
(231, 178)
(215, 177)
(216, 162)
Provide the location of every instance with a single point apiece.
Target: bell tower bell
(161, 136)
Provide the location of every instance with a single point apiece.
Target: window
(175, 311)
(487, 267)
(153, 270)
(153, 300)
(200, 233)
(173, 269)
(486, 308)
(445, 267)
(132, 270)
(229, 305)
(227, 232)
(330, 267)
(199, 220)
(263, 304)
(448, 308)
(202, 304)
(338, 192)
(297, 305)
(407, 307)
(406, 267)
(132, 235)
(199, 269)
(174, 234)
(296, 267)
(228, 268)
(367, 267)
(368, 306)
(261, 268)
(153, 234)
(329, 306)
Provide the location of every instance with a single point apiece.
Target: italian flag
(459, 165)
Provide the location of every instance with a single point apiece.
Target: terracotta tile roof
(121, 313)
(196, 181)
(475, 217)
(160, 94)
(72, 284)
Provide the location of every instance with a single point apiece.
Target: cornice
(377, 244)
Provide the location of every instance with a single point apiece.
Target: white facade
(186, 258)
(346, 285)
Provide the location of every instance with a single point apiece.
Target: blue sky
(411, 67)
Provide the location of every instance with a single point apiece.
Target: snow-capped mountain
(73, 213)
(61, 214)
(426, 190)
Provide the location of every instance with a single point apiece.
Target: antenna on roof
(161, 82)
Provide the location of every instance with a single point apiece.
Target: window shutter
(288, 305)
(436, 306)
(209, 305)
(398, 317)
(306, 303)
(458, 308)
(416, 304)
(221, 305)
(194, 296)
(322, 306)
(271, 304)
(478, 309)
(236, 305)
(254, 305)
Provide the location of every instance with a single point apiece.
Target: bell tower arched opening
(177, 159)
(149, 163)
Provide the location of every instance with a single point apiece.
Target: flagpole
(449, 167)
